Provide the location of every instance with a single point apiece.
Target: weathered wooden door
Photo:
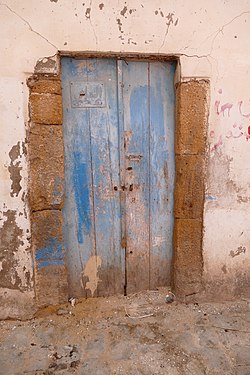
(119, 174)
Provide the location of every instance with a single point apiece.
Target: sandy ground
(137, 334)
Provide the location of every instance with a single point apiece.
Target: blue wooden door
(119, 174)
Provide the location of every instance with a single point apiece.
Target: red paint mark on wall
(225, 107)
(235, 134)
(239, 128)
(217, 144)
(248, 133)
(247, 115)
(212, 134)
(217, 103)
(231, 135)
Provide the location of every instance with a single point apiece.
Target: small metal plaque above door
(87, 94)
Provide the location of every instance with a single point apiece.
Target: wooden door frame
(46, 177)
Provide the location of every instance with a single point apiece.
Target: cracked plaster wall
(211, 39)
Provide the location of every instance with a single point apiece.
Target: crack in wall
(207, 57)
(90, 21)
(170, 21)
(220, 30)
(29, 25)
(215, 34)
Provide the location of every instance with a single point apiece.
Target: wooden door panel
(105, 162)
(162, 171)
(119, 174)
(92, 210)
(136, 128)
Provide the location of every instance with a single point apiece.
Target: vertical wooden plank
(122, 169)
(162, 171)
(136, 123)
(92, 208)
(78, 209)
(95, 190)
(106, 180)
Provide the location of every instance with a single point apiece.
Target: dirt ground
(137, 334)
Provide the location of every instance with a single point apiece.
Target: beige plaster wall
(212, 40)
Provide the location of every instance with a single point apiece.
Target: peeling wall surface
(211, 41)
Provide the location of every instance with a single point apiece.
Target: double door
(119, 174)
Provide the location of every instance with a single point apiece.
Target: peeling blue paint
(82, 198)
(211, 198)
(119, 168)
(50, 254)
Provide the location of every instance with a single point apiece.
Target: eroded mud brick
(49, 257)
(46, 108)
(43, 85)
(189, 187)
(191, 116)
(46, 157)
(187, 261)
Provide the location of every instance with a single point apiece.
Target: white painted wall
(212, 39)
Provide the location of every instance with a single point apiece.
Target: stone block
(46, 108)
(16, 304)
(189, 186)
(187, 262)
(191, 116)
(46, 157)
(51, 285)
(49, 257)
(43, 85)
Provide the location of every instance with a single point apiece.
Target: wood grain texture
(136, 127)
(119, 171)
(92, 207)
